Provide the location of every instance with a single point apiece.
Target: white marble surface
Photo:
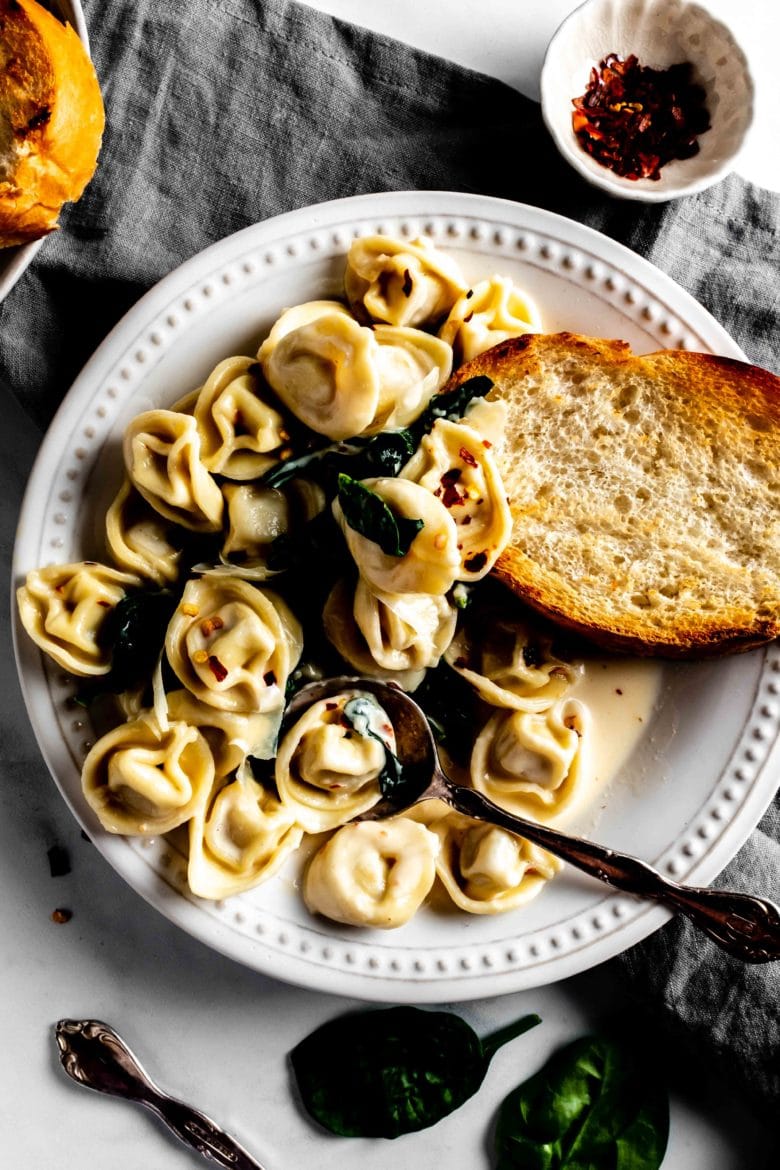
(209, 1030)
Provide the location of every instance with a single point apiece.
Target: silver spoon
(746, 926)
(94, 1055)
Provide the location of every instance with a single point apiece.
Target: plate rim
(176, 906)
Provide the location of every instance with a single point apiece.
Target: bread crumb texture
(51, 120)
(644, 492)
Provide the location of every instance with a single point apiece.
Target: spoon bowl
(746, 926)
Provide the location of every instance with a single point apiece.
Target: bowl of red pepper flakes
(647, 99)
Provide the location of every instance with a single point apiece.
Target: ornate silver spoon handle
(745, 926)
(94, 1055)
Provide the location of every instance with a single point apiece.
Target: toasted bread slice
(645, 492)
(51, 120)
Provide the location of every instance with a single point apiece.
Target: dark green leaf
(381, 455)
(133, 633)
(358, 714)
(451, 706)
(368, 514)
(596, 1105)
(454, 403)
(391, 1071)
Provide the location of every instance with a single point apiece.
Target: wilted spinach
(392, 1071)
(133, 634)
(594, 1104)
(369, 515)
(450, 704)
(362, 458)
(453, 404)
(357, 712)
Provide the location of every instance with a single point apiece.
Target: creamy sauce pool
(620, 695)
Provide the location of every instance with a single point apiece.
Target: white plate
(14, 261)
(691, 792)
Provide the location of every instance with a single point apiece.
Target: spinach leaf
(392, 1071)
(381, 455)
(594, 1104)
(454, 403)
(450, 704)
(133, 633)
(369, 515)
(358, 713)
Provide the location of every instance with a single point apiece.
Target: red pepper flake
(634, 119)
(618, 691)
(61, 915)
(468, 317)
(406, 287)
(476, 562)
(105, 604)
(467, 457)
(461, 662)
(487, 443)
(331, 706)
(450, 496)
(217, 669)
(469, 294)
(269, 679)
(210, 624)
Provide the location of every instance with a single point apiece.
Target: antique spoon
(94, 1055)
(746, 926)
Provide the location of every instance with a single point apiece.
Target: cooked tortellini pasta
(432, 562)
(454, 464)
(162, 453)
(535, 764)
(374, 873)
(232, 644)
(257, 516)
(401, 282)
(239, 839)
(486, 869)
(241, 433)
(140, 539)
(508, 664)
(64, 609)
(231, 735)
(389, 635)
(344, 379)
(329, 762)
(492, 311)
(142, 780)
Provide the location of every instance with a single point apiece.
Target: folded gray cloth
(224, 112)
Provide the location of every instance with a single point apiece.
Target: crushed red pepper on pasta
(635, 119)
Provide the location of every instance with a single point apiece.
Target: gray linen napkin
(225, 112)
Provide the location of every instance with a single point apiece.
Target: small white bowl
(660, 33)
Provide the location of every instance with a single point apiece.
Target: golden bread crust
(51, 120)
(695, 470)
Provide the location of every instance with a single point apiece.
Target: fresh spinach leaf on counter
(370, 516)
(392, 1071)
(594, 1104)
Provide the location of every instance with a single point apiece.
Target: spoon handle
(745, 926)
(93, 1054)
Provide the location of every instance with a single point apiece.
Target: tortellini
(162, 452)
(140, 539)
(327, 771)
(240, 839)
(531, 763)
(240, 433)
(343, 379)
(486, 869)
(509, 665)
(374, 873)
(400, 282)
(142, 780)
(389, 635)
(232, 644)
(64, 607)
(492, 311)
(458, 468)
(432, 562)
(231, 735)
(258, 516)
